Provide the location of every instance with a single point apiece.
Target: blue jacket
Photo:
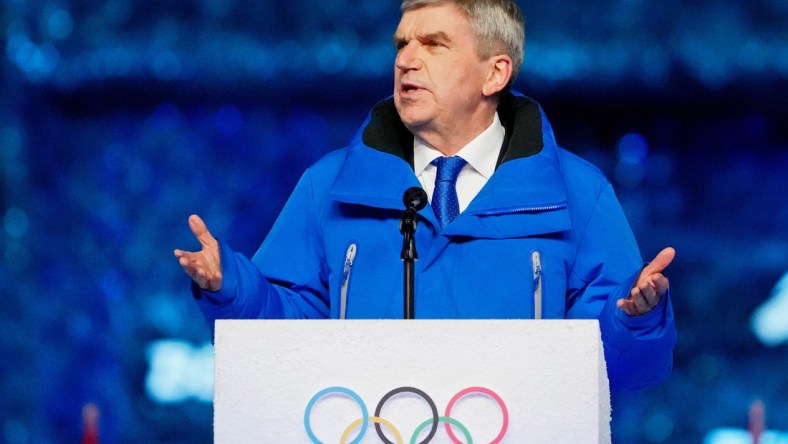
(545, 238)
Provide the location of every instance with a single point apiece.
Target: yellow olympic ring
(373, 419)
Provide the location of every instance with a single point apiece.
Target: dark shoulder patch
(523, 122)
(386, 132)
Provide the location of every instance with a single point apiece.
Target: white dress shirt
(481, 154)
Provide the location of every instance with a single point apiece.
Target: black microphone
(414, 199)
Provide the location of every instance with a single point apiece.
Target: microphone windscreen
(415, 197)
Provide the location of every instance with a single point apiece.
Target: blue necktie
(444, 198)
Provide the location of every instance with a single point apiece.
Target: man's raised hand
(204, 266)
(649, 286)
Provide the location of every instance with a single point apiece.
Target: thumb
(661, 261)
(200, 230)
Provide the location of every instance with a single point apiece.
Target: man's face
(438, 76)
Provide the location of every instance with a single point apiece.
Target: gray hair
(498, 24)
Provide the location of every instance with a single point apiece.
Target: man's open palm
(649, 287)
(204, 266)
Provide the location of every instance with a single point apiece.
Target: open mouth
(409, 88)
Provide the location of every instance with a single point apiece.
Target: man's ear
(498, 76)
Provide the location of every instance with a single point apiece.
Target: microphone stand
(415, 199)
(409, 255)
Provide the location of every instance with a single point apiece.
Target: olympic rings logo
(432, 422)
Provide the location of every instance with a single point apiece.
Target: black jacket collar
(520, 115)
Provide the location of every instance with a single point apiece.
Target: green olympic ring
(451, 421)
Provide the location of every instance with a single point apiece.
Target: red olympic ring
(487, 392)
(364, 421)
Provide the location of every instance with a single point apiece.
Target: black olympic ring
(396, 391)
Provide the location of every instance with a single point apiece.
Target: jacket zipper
(533, 209)
(350, 256)
(536, 262)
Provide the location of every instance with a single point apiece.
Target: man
(539, 234)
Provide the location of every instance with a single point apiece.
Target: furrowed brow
(433, 36)
(436, 36)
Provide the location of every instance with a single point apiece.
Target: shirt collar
(481, 153)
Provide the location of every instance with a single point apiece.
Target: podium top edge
(454, 323)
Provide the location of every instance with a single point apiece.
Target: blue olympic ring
(343, 390)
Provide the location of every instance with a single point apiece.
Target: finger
(201, 279)
(192, 262)
(210, 257)
(649, 289)
(190, 267)
(635, 305)
(200, 231)
(627, 306)
(208, 280)
(215, 282)
(661, 283)
(202, 272)
(661, 261)
(652, 286)
(640, 302)
(204, 278)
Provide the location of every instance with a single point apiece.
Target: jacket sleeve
(284, 280)
(638, 350)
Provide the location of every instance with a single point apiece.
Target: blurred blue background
(118, 119)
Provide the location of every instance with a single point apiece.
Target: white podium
(417, 381)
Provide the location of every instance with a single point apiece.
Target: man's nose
(408, 57)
